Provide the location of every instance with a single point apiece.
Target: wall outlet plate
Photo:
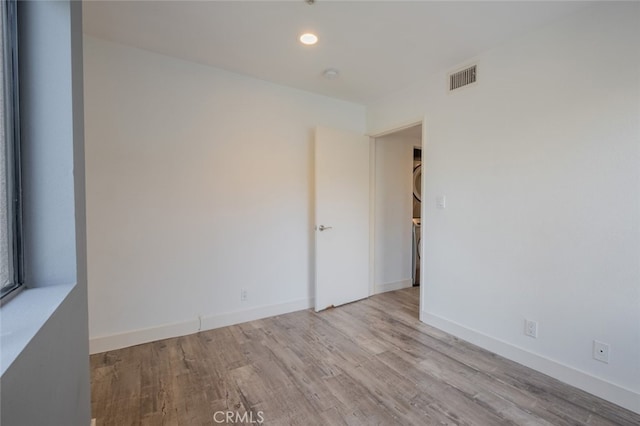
(531, 328)
(601, 351)
(243, 295)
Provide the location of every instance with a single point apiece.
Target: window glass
(9, 179)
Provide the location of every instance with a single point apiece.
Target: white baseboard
(397, 285)
(619, 395)
(137, 337)
(145, 335)
(222, 320)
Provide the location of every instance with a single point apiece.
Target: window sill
(23, 316)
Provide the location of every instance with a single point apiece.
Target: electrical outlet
(243, 295)
(601, 351)
(531, 328)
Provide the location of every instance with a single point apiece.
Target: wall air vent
(462, 78)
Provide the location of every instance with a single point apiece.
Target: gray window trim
(12, 133)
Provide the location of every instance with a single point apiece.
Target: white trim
(396, 128)
(372, 215)
(423, 223)
(222, 320)
(397, 285)
(140, 336)
(137, 337)
(619, 395)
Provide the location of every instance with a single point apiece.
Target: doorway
(417, 214)
(397, 209)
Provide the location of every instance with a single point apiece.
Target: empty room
(320, 213)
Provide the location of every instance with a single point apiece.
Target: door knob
(324, 228)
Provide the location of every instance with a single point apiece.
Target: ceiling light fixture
(330, 73)
(308, 39)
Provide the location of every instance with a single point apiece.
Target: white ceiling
(378, 47)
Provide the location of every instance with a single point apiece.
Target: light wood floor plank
(367, 363)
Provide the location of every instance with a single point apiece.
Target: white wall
(539, 164)
(198, 185)
(393, 211)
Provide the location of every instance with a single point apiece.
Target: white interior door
(342, 217)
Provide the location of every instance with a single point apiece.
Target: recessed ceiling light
(330, 73)
(308, 39)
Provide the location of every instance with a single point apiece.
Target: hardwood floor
(368, 363)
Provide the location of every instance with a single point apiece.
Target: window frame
(11, 119)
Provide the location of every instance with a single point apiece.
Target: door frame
(372, 199)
